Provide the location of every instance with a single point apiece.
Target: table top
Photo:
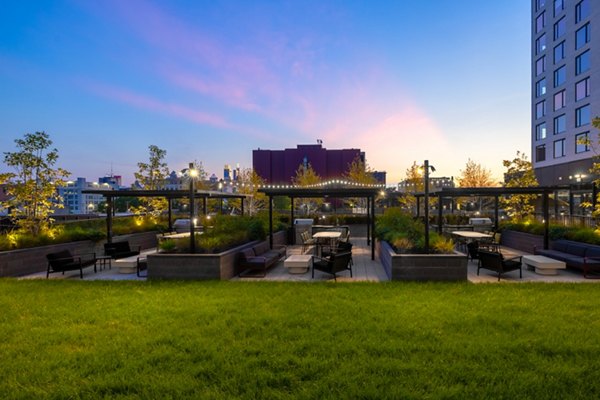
(471, 234)
(543, 260)
(328, 234)
(299, 258)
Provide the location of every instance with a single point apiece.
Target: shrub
(167, 246)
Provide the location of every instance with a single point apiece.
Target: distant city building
(380, 176)
(113, 180)
(213, 179)
(76, 202)
(3, 198)
(564, 62)
(279, 166)
(230, 174)
(435, 184)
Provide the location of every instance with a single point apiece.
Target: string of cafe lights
(316, 185)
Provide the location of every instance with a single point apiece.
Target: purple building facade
(279, 166)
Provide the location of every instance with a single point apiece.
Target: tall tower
(565, 74)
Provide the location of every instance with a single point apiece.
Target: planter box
(222, 266)
(422, 267)
(521, 240)
(30, 261)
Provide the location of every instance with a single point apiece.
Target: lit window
(559, 52)
(559, 148)
(540, 109)
(560, 124)
(540, 22)
(540, 44)
(540, 87)
(582, 116)
(560, 76)
(540, 153)
(582, 10)
(540, 131)
(582, 62)
(540, 65)
(559, 100)
(582, 143)
(582, 89)
(582, 36)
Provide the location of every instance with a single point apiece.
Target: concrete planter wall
(422, 267)
(521, 240)
(223, 266)
(29, 261)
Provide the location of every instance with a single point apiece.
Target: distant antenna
(319, 141)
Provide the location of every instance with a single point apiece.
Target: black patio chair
(335, 263)
(495, 261)
(62, 261)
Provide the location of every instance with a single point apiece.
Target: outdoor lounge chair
(337, 262)
(307, 241)
(494, 261)
(142, 264)
(341, 248)
(120, 250)
(65, 261)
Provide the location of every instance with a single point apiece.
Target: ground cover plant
(555, 231)
(224, 340)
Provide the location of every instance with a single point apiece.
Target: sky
(210, 81)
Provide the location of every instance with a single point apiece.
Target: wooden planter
(221, 266)
(422, 267)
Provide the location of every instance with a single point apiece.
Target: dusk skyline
(211, 81)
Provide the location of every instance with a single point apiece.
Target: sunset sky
(212, 80)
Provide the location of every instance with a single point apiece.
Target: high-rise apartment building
(565, 74)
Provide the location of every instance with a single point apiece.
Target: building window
(560, 124)
(539, 4)
(582, 143)
(540, 109)
(559, 52)
(540, 131)
(540, 65)
(559, 5)
(560, 76)
(540, 22)
(559, 148)
(582, 62)
(540, 44)
(582, 89)
(540, 153)
(582, 10)
(560, 27)
(582, 116)
(540, 87)
(559, 100)
(582, 36)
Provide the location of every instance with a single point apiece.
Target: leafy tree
(519, 173)
(32, 190)
(414, 184)
(595, 170)
(360, 172)
(248, 183)
(475, 175)
(306, 176)
(151, 176)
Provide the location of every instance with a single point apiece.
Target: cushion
(260, 248)
(64, 257)
(593, 252)
(576, 249)
(560, 245)
(248, 253)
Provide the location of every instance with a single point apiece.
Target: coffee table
(298, 263)
(544, 265)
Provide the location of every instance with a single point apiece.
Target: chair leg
(48, 272)
(81, 272)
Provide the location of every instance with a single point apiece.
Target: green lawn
(73, 339)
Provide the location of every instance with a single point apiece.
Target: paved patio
(364, 270)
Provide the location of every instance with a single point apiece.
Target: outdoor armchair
(65, 261)
(307, 241)
(335, 263)
(494, 261)
(120, 250)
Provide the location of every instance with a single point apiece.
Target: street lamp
(192, 173)
(426, 167)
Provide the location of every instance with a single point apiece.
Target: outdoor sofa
(118, 250)
(260, 258)
(577, 255)
(63, 260)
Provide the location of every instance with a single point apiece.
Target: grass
(223, 340)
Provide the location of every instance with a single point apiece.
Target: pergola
(168, 194)
(325, 191)
(496, 193)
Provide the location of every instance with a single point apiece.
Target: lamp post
(192, 173)
(426, 166)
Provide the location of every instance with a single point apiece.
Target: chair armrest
(514, 258)
(85, 254)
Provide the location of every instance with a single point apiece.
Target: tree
(248, 183)
(151, 176)
(360, 172)
(519, 173)
(32, 190)
(595, 169)
(475, 175)
(414, 184)
(306, 176)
